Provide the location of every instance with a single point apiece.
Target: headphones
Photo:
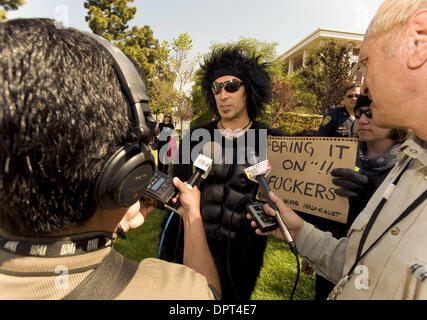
(126, 174)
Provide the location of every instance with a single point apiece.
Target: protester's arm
(323, 252)
(197, 254)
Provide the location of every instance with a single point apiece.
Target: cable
(292, 247)
(230, 277)
(177, 238)
(163, 234)
(229, 246)
(297, 277)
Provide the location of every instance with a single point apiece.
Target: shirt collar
(414, 148)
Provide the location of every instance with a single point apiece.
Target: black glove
(351, 183)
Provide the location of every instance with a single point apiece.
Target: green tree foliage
(183, 65)
(297, 123)
(305, 101)
(281, 101)
(181, 61)
(266, 51)
(148, 52)
(163, 96)
(320, 84)
(198, 100)
(9, 5)
(110, 19)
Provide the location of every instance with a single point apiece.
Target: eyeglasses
(350, 96)
(359, 112)
(230, 86)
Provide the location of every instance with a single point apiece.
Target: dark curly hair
(62, 115)
(247, 67)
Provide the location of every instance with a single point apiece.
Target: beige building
(296, 56)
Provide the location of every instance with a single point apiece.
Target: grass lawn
(276, 278)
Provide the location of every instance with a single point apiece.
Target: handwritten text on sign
(300, 173)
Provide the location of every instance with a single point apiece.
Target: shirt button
(425, 177)
(413, 151)
(395, 231)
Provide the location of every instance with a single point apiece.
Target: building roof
(314, 38)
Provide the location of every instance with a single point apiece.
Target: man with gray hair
(384, 254)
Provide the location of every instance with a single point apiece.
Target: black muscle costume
(237, 250)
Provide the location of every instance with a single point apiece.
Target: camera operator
(70, 158)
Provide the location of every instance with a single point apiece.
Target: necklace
(237, 130)
(229, 134)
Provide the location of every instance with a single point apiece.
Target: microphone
(209, 154)
(201, 168)
(257, 174)
(202, 165)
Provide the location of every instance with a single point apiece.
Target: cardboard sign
(300, 173)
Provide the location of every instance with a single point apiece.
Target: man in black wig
(236, 86)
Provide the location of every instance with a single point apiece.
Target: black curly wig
(247, 67)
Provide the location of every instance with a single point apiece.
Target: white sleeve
(325, 253)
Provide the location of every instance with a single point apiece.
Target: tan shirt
(383, 272)
(23, 277)
(157, 279)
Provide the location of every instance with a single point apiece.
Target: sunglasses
(352, 96)
(359, 112)
(230, 86)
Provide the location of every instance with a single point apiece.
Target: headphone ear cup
(125, 177)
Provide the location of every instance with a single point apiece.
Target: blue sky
(283, 21)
